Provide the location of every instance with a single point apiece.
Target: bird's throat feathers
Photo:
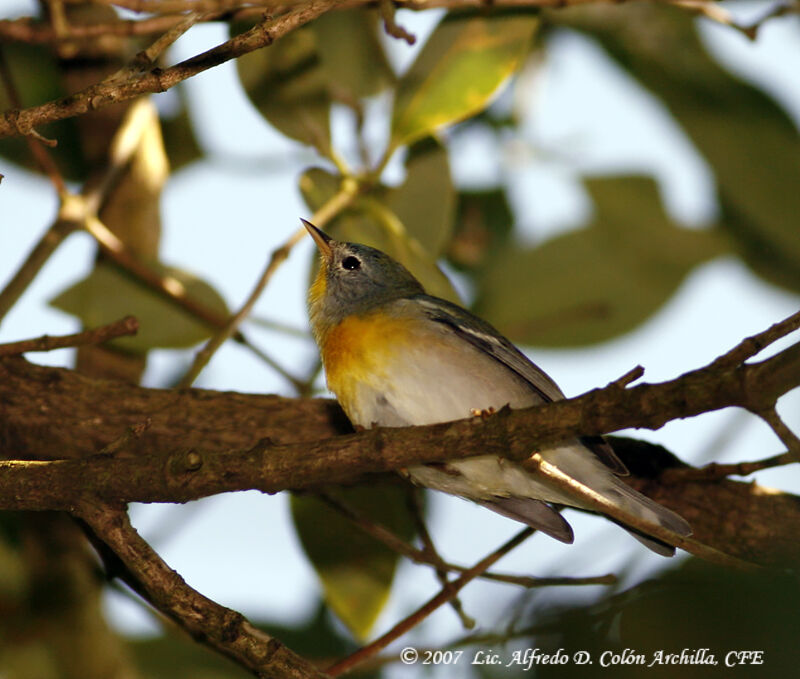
(320, 321)
(360, 349)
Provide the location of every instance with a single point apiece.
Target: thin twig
(428, 548)
(419, 556)
(446, 594)
(74, 208)
(130, 434)
(631, 376)
(750, 346)
(147, 58)
(328, 211)
(126, 326)
(33, 263)
(36, 142)
(786, 435)
(101, 95)
(714, 471)
(388, 9)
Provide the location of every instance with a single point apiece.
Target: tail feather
(654, 545)
(643, 507)
(535, 513)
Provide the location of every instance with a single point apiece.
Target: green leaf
(369, 220)
(596, 283)
(485, 222)
(107, 295)
(750, 142)
(352, 57)
(425, 202)
(355, 569)
(288, 86)
(23, 62)
(462, 65)
(180, 141)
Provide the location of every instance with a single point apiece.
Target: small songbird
(395, 356)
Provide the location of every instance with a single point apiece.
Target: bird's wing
(483, 336)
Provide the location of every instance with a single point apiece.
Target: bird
(395, 356)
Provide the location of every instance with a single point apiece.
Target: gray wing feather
(483, 336)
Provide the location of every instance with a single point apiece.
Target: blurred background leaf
(288, 87)
(750, 142)
(600, 281)
(691, 606)
(180, 140)
(425, 201)
(24, 60)
(107, 294)
(370, 221)
(460, 67)
(484, 223)
(352, 58)
(355, 569)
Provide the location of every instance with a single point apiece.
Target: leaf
(749, 140)
(370, 221)
(594, 284)
(23, 61)
(485, 222)
(107, 294)
(462, 65)
(664, 617)
(425, 202)
(288, 86)
(352, 57)
(180, 140)
(355, 569)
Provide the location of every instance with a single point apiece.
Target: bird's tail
(633, 502)
(591, 472)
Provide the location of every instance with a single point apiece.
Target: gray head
(354, 278)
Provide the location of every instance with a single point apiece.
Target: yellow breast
(361, 350)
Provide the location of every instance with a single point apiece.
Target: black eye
(351, 263)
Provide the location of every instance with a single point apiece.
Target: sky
(224, 215)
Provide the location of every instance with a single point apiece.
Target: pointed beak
(322, 240)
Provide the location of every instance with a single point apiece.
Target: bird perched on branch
(395, 356)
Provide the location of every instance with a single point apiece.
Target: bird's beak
(322, 240)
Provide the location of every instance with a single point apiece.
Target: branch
(338, 202)
(221, 628)
(447, 593)
(24, 121)
(159, 80)
(309, 463)
(125, 326)
(201, 443)
(432, 558)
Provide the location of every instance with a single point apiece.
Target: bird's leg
(483, 413)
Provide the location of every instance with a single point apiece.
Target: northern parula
(395, 356)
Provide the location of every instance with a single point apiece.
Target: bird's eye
(351, 263)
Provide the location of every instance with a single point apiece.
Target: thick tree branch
(183, 472)
(201, 443)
